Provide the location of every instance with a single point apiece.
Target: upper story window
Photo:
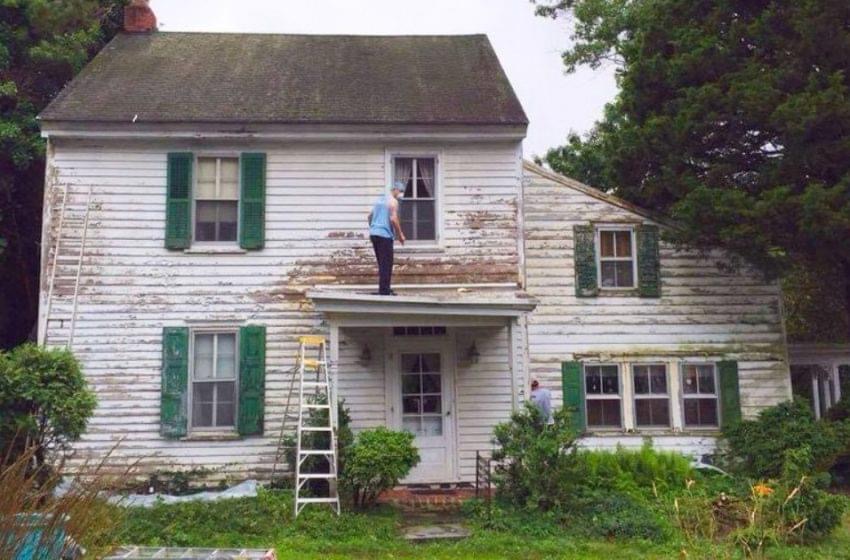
(217, 199)
(615, 247)
(417, 211)
(699, 395)
(213, 381)
(602, 390)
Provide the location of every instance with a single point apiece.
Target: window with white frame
(602, 396)
(651, 394)
(699, 395)
(214, 374)
(217, 199)
(418, 208)
(616, 261)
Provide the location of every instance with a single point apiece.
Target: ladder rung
(311, 339)
(314, 383)
(318, 500)
(316, 428)
(313, 476)
(308, 362)
(316, 452)
(311, 405)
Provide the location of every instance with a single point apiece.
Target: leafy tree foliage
(43, 43)
(45, 402)
(733, 116)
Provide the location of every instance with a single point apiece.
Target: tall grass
(33, 517)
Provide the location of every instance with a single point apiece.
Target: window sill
(215, 250)
(212, 436)
(419, 248)
(653, 432)
(621, 292)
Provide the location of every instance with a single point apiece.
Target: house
(205, 205)
(820, 373)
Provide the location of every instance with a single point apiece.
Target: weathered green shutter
(178, 205)
(175, 382)
(573, 393)
(730, 398)
(253, 204)
(585, 261)
(649, 261)
(252, 379)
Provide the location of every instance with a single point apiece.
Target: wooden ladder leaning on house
(320, 399)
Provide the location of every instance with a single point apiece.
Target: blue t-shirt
(380, 225)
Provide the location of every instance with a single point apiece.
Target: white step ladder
(321, 400)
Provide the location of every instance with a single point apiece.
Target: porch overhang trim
(348, 303)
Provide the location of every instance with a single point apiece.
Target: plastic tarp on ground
(247, 489)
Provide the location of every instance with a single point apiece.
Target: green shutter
(252, 379)
(585, 261)
(253, 203)
(649, 261)
(573, 393)
(730, 398)
(175, 382)
(178, 205)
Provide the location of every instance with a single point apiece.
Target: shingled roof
(258, 78)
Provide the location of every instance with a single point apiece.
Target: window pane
(405, 216)
(691, 412)
(206, 178)
(706, 379)
(228, 218)
(689, 380)
(652, 412)
(623, 243)
(611, 411)
(224, 414)
(432, 404)
(625, 274)
(229, 186)
(205, 220)
(641, 376)
(226, 364)
(225, 404)
(592, 382)
(594, 412)
(701, 412)
(658, 379)
(202, 405)
(844, 378)
(410, 405)
(424, 178)
(609, 274)
(410, 363)
(410, 384)
(403, 171)
(204, 357)
(610, 381)
(431, 363)
(603, 412)
(606, 243)
(425, 224)
(431, 383)
(426, 331)
(432, 426)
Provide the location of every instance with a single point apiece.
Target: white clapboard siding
(318, 195)
(704, 312)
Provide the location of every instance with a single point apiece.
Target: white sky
(528, 46)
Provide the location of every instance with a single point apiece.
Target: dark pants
(384, 254)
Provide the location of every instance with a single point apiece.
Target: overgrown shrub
(45, 402)
(533, 458)
(611, 514)
(757, 448)
(377, 460)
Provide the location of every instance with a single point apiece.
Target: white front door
(422, 405)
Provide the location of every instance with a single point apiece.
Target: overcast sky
(528, 46)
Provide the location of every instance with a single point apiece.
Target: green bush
(612, 514)
(377, 460)
(533, 458)
(757, 448)
(44, 400)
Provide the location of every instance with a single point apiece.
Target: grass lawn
(267, 521)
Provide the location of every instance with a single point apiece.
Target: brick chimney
(138, 17)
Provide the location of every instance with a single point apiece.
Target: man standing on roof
(384, 227)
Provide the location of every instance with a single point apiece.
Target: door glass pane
(431, 404)
(410, 384)
(410, 363)
(432, 426)
(431, 383)
(411, 424)
(430, 363)
(410, 405)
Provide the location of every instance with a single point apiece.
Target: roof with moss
(268, 78)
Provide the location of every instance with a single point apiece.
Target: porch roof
(473, 304)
